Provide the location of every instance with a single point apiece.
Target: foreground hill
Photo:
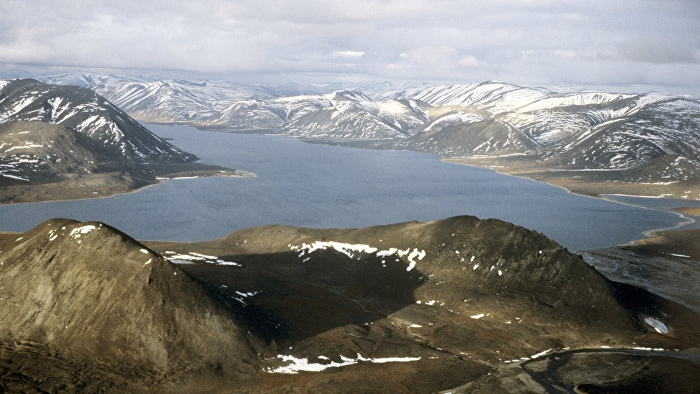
(479, 304)
(74, 143)
(461, 304)
(89, 297)
(590, 141)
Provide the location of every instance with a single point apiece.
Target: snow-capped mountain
(60, 133)
(354, 115)
(271, 114)
(460, 133)
(570, 129)
(192, 101)
(160, 101)
(87, 113)
(284, 108)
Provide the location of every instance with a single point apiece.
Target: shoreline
(111, 192)
(583, 188)
(594, 189)
(684, 214)
(681, 212)
(688, 217)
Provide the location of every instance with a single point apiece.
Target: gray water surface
(322, 186)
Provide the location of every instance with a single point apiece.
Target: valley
(594, 142)
(292, 280)
(326, 186)
(589, 142)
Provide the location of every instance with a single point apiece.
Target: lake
(324, 186)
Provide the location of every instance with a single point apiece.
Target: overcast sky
(592, 42)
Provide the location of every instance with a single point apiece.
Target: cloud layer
(522, 41)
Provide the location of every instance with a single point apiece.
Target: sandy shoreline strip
(77, 190)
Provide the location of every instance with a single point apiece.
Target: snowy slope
(570, 129)
(646, 132)
(87, 113)
(160, 100)
(352, 114)
(578, 130)
(495, 97)
(269, 114)
(193, 101)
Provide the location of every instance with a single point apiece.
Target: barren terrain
(460, 304)
(589, 183)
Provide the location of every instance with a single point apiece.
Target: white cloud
(469, 61)
(516, 40)
(430, 55)
(351, 54)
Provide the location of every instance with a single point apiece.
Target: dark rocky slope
(457, 304)
(466, 296)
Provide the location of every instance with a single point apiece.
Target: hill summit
(87, 293)
(440, 304)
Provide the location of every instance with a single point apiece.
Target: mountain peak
(88, 113)
(57, 139)
(92, 293)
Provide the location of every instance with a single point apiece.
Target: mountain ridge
(442, 305)
(620, 140)
(63, 142)
(88, 113)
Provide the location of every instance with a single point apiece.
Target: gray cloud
(522, 41)
(656, 52)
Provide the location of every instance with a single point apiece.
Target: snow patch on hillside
(78, 231)
(580, 99)
(656, 324)
(351, 249)
(195, 257)
(344, 248)
(454, 119)
(295, 365)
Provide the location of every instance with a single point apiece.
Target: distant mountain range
(639, 138)
(58, 133)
